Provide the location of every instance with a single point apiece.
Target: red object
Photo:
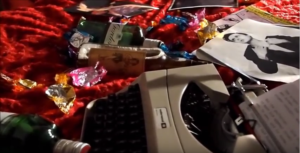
(30, 34)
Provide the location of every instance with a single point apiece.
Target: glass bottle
(31, 133)
(111, 33)
(166, 62)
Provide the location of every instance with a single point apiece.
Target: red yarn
(29, 37)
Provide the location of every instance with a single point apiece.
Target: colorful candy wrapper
(182, 54)
(176, 54)
(181, 22)
(88, 76)
(21, 82)
(197, 20)
(78, 38)
(62, 93)
(209, 32)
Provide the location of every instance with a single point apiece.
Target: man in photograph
(267, 53)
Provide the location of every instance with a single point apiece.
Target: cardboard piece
(121, 62)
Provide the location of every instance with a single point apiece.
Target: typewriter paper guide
(277, 115)
(279, 61)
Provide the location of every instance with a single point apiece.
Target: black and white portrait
(259, 49)
(267, 53)
(184, 4)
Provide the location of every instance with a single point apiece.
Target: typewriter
(182, 110)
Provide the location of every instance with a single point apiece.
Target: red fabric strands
(31, 33)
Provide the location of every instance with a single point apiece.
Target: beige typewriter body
(161, 93)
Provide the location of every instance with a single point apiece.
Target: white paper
(277, 115)
(233, 53)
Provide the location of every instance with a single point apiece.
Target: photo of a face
(184, 4)
(239, 38)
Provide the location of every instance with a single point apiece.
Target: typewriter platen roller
(159, 111)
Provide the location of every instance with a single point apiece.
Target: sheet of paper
(277, 115)
(263, 51)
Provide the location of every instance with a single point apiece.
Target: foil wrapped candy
(77, 38)
(88, 76)
(207, 33)
(181, 22)
(20, 82)
(198, 20)
(175, 54)
(62, 94)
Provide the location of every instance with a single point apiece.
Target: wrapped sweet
(61, 93)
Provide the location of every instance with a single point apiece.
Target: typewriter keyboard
(116, 124)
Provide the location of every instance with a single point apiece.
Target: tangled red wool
(29, 40)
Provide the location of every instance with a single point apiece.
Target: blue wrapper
(77, 38)
(181, 22)
(182, 54)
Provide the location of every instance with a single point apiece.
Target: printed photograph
(184, 4)
(261, 50)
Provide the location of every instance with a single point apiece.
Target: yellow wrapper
(203, 24)
(21, 82)
(208, 32)
(27, 83)
(62, 94)
(62, 78)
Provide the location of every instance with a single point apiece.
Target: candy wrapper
(176, 54)
(62, 93)
(20, 82)
(77, 38)
(198, 20)
(118, 8)
(181, 22)
(88, 76)
(207, 33)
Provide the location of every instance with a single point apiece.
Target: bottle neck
(68, 146)
(4, 115)
(165, 62)
(151, 43)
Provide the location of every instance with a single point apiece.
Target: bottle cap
(151, 43)
(69, 146)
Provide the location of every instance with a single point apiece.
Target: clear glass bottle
(31, 133)
(111, 33)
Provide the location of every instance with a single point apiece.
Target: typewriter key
(120, 132)
(134, 132)
(112, 97)
(134, 115)
(133, 107)
(99, 118)
(108, 131)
